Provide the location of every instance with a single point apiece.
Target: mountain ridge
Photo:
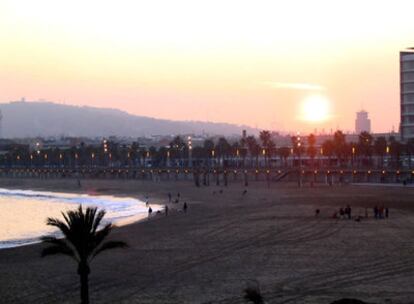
(44, 118)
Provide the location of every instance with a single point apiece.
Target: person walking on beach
(387, 212)
(185, 207)
(166, 210)
(149, 212)
(349, 212)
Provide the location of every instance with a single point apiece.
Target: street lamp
(300, 160)
(190, 147)
(45, 159)
(353, 156)
(92, 158)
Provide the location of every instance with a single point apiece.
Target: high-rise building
(407, 94)
(362, 122)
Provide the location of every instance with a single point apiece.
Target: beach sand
(226, 242)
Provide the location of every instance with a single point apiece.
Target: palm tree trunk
(83, 272)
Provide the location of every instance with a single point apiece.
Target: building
(407, 94)
(362, 122)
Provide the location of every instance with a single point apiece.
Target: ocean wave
(117, 208)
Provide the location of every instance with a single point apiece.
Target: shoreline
(35, 195)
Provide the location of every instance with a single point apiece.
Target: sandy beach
(226, 242)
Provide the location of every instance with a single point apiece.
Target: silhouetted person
(166, 210)
(149, 211)
(317, 211)
(185, 207)
(387, 212)
(169, 197)
(349, 211)
(381, 212)
(366, 212)
(341, 213)
(376, 212)
(244, 192)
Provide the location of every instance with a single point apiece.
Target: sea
(23, 213)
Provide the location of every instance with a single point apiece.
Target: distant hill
(31, 119)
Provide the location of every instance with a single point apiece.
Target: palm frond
(58, 246)
(98, 220)
(109, 245)
(65, 229)
(100, 235)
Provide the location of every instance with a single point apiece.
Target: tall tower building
(407, 94)
(362, 122)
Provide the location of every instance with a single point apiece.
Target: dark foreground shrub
(253, 294)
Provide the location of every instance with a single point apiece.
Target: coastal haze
(37, 119)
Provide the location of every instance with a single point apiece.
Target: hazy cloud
(294, 86)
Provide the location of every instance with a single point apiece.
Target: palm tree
(311, 150)
(82, 241)
(284, 153)
(328, 149)
(339, 146)
(380, 146)
(254, 149)
(265, 138)
(365, 145)
(223, 149)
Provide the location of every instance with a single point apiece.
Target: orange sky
(244, 62)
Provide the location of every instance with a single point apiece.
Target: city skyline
(233, 62)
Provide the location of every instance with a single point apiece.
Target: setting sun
(315, 108)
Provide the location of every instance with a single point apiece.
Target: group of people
(343, 213)
(176, 200)
(346, 213)
(166, 208)
(381, 212)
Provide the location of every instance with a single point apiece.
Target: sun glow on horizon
(315, 108)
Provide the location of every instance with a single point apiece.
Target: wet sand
(227, 242)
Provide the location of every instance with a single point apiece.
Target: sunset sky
(245, 62)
